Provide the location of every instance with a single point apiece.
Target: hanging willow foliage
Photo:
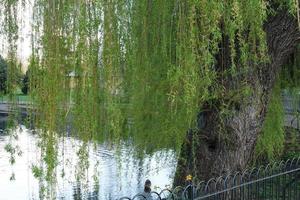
(135, 70)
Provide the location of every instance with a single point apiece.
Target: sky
(24, 44)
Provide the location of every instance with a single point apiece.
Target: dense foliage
(25, 83)
(146, 66)
(3, 76)
(271, 142)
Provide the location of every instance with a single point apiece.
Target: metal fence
(277, 181)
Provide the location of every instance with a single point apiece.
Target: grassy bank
(19, 98)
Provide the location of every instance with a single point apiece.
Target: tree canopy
(147, 66)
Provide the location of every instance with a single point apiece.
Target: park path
(6, 108)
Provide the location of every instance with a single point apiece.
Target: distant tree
(19, 75)
(3, 76)
(25, 83)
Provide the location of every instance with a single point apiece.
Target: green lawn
(17, 97)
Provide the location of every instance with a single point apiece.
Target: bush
(3, 76)
(25, 83)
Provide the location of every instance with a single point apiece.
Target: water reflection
(119, 174)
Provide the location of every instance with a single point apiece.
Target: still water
(120, 174)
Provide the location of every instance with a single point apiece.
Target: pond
(119, 174)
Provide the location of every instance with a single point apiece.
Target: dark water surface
(119, 174)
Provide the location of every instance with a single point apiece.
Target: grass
(17, 97)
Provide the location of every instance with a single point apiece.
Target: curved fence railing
(280, 180)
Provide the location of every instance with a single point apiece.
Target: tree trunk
(212, 151)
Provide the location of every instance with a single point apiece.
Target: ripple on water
(120, 175)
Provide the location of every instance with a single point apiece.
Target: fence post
(275, 181)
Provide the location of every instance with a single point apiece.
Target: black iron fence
(277, 181)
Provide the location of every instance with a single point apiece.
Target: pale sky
(24, 44)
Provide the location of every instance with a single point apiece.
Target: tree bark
(212, 151)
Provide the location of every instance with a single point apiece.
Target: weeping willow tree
(144, 72)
